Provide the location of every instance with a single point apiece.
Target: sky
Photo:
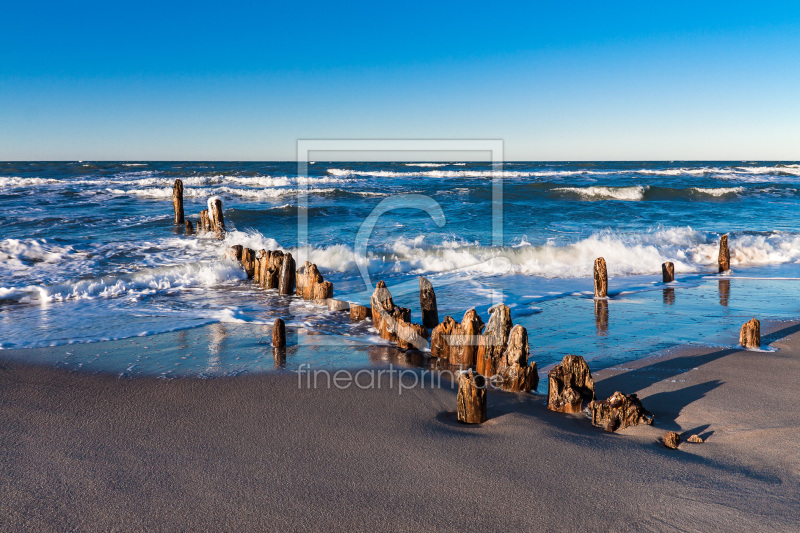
(246, 80)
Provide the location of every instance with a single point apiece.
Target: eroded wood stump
(750, 335)
(307, 276)
(600, 278)
(249, 262)
(463, 340)
(411, 336)
(440, 346)
(672, 440)
(215, 217)
(261, 257)
(270, 277)
(724, 254)
(359, 312)
(514, 372)
(471, 398)
(286, 281)
(427, 301)
(570, 384)
(204, 225)
(189, 228)
(385, 313)
(619, 412)
(668, 272)
(695, 439)
(177, 201)
(234, 253)
(279, 333)
(492, 344)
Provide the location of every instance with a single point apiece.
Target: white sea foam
(12, 182)
(631, 194)
(718, 191)
(626, 254)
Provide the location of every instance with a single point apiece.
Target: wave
(630, 194)
(626, 254)
(136, 285)
(13, 182)
(718, 191)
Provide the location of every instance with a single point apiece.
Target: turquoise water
(88, 252)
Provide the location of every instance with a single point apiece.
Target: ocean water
(89, 252)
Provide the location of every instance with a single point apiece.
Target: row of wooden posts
(497, 352)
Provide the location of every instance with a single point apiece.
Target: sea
(89, 252)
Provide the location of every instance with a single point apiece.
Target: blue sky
(236, 80)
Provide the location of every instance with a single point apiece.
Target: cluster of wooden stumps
(496, 353)
(750, 335)
(211, 219)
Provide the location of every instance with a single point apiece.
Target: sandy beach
(257, 452)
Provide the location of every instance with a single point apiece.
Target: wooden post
(215, 216)
(261, 257)
(189, 227)
(724, 254)
(177, 201)
(286, 282)
(668, 272)
(516, 372)
(570, 385)
(672, 440)
(600, 278)
(463, 339)
(471, 398)
(278, 334)
(750, 336)
(204, 225)
(427, 301)
(619, 411)
(358, 312)
(492, 344)
(249, 262)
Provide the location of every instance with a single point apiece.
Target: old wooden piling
(471, 398)
(427, 301)
(189, 227)
(724, 259)
(278, 334)
(177, 201)
(750, 335)
(286, 281)
(668, 272)
(215, 217)
(600, 278)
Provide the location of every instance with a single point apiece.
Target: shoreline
(82, 450)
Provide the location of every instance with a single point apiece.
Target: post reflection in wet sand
(724, 291)
(601, 316)
(669, 296)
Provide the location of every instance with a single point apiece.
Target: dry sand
(89, 452)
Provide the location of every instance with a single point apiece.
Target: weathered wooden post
(619, 411)
(262, 256)
(204, 225)
(668, 272)
(215, 217)
(471, 398)
(672, 440)
(358, 312)
(750, 335)
(189, 227)
(724, 254)
(249, 262)
(570, 384)
(177, 201)
(427, 301)
(600, 278)
(515, 372)
(492, 344)
(463, 339)
(279, 334)
(286, 281)
(440, 345)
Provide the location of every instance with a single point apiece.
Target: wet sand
(82, 451)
